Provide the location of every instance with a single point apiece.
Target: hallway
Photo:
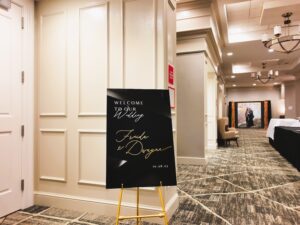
(250, 184)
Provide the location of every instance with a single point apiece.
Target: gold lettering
(136, 148)
(122, 135)
(134, 145)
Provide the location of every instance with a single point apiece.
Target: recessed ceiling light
(232, 76)
(275, 83)
(229, 53)
(271, 50)
(254, 84)
(234, 85)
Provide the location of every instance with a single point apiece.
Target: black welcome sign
(140, 151)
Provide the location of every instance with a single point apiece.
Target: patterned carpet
(250, 184)
(247, 185)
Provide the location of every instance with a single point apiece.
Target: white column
(282, 100)
(282, 91)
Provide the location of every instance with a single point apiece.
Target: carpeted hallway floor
(247, 185)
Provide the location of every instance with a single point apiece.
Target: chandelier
(285, 42)
(267, 77)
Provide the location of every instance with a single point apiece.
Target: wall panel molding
(91, 131)
(53, 115)
(90, 155)
(144, 50)
(93, 48)
(91, 114)
(49, 178)
(53, 148)
(93, 183)
(50, 130)
(52, 71)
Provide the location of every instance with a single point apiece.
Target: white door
(211, 118)
(10, 109)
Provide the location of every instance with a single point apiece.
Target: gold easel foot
(139, 217)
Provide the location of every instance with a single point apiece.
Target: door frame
(27, 101)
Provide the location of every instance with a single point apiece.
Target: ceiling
(248, 20)
(242, 24)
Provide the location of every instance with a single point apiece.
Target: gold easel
(138, 217)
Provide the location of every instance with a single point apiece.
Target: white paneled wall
(85, 47)
(139, 57)
(93, 59)
(53, 150)
(90, 141)
(53, 64)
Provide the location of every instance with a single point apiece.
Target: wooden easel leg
(162, 203)
(137, 205)
(119, 205)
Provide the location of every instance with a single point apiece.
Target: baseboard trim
(93, 200)
(172, 205)
(212, 146)
(191, 160)
(101, 206)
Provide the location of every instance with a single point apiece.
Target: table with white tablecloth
(284, 136)
(287, 143)
(280, 122)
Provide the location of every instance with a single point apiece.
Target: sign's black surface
(140, 151)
